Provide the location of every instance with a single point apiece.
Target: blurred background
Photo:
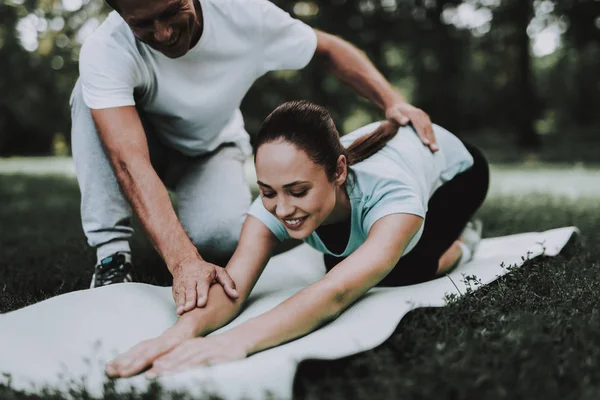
(521, 78)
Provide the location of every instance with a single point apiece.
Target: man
(158, 101)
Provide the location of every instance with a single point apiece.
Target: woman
(384, 210)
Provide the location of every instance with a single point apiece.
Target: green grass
(532, 334)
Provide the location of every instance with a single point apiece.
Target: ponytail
(367, 145)
(310, 127)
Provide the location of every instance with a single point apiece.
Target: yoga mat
(67, 339)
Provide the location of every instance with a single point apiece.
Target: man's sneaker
(116, 268)
(471, 235)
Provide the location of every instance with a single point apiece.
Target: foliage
(475, 74)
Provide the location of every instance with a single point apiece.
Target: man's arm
(250, 258)
(124, 140)
(353, 68)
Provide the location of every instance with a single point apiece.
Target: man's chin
(174, 55)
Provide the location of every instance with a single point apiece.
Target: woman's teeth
(293, 221)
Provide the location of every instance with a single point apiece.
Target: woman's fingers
(132, 362)
(139, 357)
(181, 364)
(181, 355)
(194, 353)
(228, 284)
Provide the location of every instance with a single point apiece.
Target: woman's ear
(341, 171)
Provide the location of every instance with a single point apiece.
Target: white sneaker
(471, 235)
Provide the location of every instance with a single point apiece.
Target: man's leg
(213, 199)
(105, 212)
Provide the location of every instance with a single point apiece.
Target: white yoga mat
(69, 337)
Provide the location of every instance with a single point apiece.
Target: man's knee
(216, 241)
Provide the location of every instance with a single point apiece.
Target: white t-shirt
(398, 179)
(193, 101)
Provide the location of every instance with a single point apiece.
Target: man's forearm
(150, 201)
(353, 68)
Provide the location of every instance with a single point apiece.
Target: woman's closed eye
(270, 195)
(300, 193)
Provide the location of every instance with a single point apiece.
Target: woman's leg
(450, 258)
(449, 210)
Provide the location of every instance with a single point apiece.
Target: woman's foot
(471, 237)
(462, 250)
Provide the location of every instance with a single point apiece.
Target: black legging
(450, 208)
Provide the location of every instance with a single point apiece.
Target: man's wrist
(178, 261)
(393, 99)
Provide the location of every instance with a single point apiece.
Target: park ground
(532, 334)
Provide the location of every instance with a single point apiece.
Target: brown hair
(311, 128)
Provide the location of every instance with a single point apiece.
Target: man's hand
(403, 113)
(192, 280)
(142, 355)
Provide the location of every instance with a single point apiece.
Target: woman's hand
(142, 355)
(403, 113)
(201, 351)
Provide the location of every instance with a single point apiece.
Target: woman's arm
(249, 260)
(308, 309)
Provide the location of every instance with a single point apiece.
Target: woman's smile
(294, 224)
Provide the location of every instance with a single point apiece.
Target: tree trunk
(528, 137)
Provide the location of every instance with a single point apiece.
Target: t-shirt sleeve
(257, 210)
(287, 42)
(392, 198)
(108, 75)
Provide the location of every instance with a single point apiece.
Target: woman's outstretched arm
(249, 260)
(308, 309)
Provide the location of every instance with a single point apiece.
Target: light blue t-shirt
(398, 179)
